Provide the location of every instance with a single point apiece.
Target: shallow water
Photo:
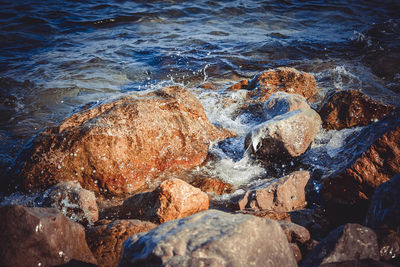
(57, 56)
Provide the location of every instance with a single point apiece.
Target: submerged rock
(212, 185)
(106, 241)
(40, 237)
(281, 195)
(369, 158)
(173, 199)
(73, 201)
(346, 243)
(345, 109)
(211, 238)
(114, 147)
(384, 210)
(284, 137)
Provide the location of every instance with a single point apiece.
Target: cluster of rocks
(129, 150)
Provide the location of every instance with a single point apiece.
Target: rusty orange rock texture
(214, 185)
(369, 159)
(173, 199)
(114, 147)
(283, 79)
(346, 109)
(105, 241)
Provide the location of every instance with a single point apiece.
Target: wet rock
(369, 158)
(40, 237)
(281, 195)
(384, 210)
(280, 103)
(284, 137)
(211, 238)
(173, 199)
(287, 80)
(105, 241)
(346, 243)
(212, 185)
(345, 109)
(114, 147)
(294, 232)
(242, 85)
(208, 86)
(314, 220)
(389, 245)
(73, 201)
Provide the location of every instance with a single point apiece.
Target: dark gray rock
(384, 210)
(211, 238)
(346, 243)
(40, 237)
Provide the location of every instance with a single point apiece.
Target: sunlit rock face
(114, 147)
(281, 195)
(283, 137)
(345, 109)
(105, 241)
(369, 158)
(173, 199)
(282, 79)
(40, 237)
(211, 238)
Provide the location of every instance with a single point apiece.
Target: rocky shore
(112, 185)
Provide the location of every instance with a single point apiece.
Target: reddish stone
(345, 109)
(114, 147)
(370, 158)
(212, 185)
(281, 195)
(243, 84)
(40, 237)
(287, 80)
(295, 233)
(208, 86)
(173, 199)
(106, 241)
(296, 251)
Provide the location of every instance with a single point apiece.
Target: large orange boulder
(173, 199)
(114, 147)
(369, 158)
(345, 109)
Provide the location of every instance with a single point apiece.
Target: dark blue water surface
(58, 55)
